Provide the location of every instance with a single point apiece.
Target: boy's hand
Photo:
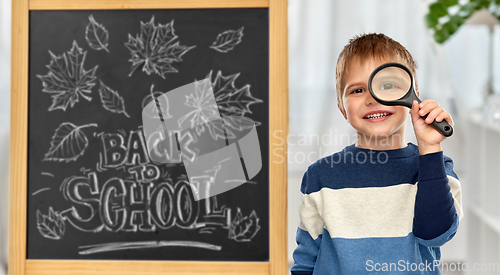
(428, 138)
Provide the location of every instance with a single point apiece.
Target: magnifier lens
(391, 83)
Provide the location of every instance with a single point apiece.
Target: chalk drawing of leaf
(231, 100)
(67, 80)
(233, 103)
(68, 143)
(97, 36)
(154, 49)
(111, 100)
(243, 229)
(227, 40)
(151, 110)
(51, 226)
(204, 109)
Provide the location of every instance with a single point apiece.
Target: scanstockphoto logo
(184, 125)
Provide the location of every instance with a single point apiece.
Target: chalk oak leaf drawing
(227, 40)
(243, 229)
(96, 35)
(67, 80)
(155, 49)
(232, 104)
(111, 100)
(50, 226)
(68, 143)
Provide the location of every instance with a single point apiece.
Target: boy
(380, 205)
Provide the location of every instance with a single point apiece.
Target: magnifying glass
(392, 84)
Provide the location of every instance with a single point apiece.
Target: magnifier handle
(443, 127)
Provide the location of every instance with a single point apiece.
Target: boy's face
(366, 115)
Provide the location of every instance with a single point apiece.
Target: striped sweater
(376, 212)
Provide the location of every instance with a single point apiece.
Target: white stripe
(365, 212)
(310, 219)
(456, 192)
(360, 212)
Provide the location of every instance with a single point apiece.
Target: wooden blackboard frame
(278, 89)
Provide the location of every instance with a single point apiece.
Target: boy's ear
(342, 111)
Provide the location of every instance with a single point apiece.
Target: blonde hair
(372, 45)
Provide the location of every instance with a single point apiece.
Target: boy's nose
(369, 99)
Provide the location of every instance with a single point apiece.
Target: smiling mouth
(377, 115)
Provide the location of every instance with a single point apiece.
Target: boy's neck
(380, 142)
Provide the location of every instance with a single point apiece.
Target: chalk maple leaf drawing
(227, 40)
(243, 229)
(204, 111)
(154, 49)
(50, 226)
(231, 100)
(67, 80)
(68, 143)
(96, 35)
(232, 103)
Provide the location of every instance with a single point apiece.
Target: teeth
(379, 115)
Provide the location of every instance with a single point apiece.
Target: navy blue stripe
(434, 208)
(357, 168)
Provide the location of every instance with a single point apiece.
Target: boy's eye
(388, 86)
(357, 91)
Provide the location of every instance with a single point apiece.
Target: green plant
(446, 16)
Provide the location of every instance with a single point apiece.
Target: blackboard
(89, 80)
